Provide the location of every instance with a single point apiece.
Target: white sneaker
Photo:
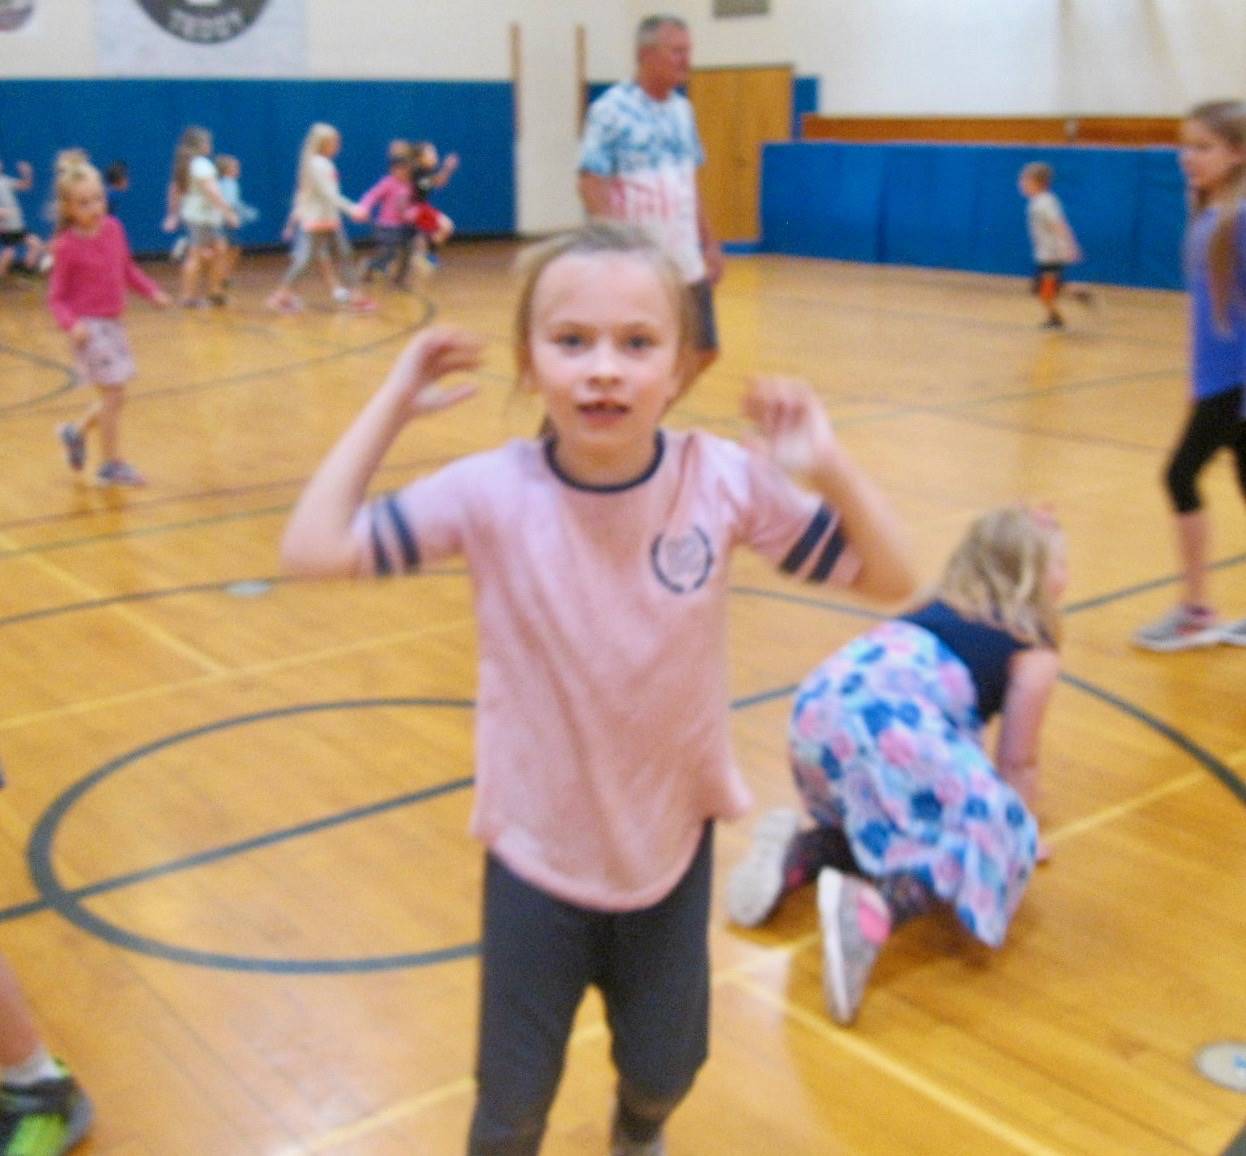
(1182, 628)
(1234, 633)
(755, 885)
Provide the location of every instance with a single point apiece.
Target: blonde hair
(68, 158)
(999, 574)
(601, 238)
(313, 146)
(194, 142)
(1225, 119)
(1039, 173)
(69, 176)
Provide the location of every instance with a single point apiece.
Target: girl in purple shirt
(1213, 157)
(598, 558)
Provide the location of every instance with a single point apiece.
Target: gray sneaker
(1182, 628)
(620, 1145)
(1234, 633)
(847, 956)
(755, 885)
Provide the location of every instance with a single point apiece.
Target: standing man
(639, 158)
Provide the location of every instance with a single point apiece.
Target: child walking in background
(320, 235)
(1052, 241)
(886, 747)
(18, 245)
(391, 197)
(429, 173)
(195, 194)
(229, 169)
(603, 755)
(91, 270)
(1213, 158)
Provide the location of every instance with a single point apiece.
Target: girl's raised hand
(790, 423)
(431, 355)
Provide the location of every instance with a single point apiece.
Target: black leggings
(1214, 422)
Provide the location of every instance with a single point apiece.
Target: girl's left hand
(790, 422)
(161, 300)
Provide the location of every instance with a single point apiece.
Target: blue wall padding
(958, 207)
(804, 99)
(823, 202)
(263, 122)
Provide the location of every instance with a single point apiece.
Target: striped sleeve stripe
(830, 555)
(406, 540)
(808, 540)
(380, 560)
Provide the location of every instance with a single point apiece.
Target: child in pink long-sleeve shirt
(391, 198)
(91, 271)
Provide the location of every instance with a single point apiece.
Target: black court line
(960, 321)
(27, 408)
(155, 502)
(1145, 587)
(68, 902)
(42, 362)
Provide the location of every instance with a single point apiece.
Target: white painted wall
(978, 57)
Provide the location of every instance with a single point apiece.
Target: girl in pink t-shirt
(91, 270)
(599, 559)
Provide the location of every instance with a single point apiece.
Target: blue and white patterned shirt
(649, 150)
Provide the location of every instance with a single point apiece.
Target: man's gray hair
(647, 30)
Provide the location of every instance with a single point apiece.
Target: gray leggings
(313, 246)
(538, 957)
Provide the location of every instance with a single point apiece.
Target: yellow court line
(877, 1058)
(1089, 822)
(129, 615)
(224, 675)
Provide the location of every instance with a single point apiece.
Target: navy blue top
(1217, 358)
(984, 649)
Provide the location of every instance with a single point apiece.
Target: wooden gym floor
(237, 882)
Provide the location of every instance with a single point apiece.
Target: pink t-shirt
(393, 198)
(602, 737)
(90, 274)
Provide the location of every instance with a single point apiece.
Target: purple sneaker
(119, 474)
(74, 444)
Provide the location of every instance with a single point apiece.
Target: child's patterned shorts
(105, 357)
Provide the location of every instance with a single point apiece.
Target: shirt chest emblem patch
(682, 562)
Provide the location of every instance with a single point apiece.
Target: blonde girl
(317, 223)
(195, 198)
(599, 559)
(1213, 158)
(91, 270)
(886, 745)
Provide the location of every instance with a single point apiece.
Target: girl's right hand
(431, 355)
(79, 333)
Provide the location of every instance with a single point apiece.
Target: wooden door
(738, 110)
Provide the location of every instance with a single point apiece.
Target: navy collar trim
(659, 451)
